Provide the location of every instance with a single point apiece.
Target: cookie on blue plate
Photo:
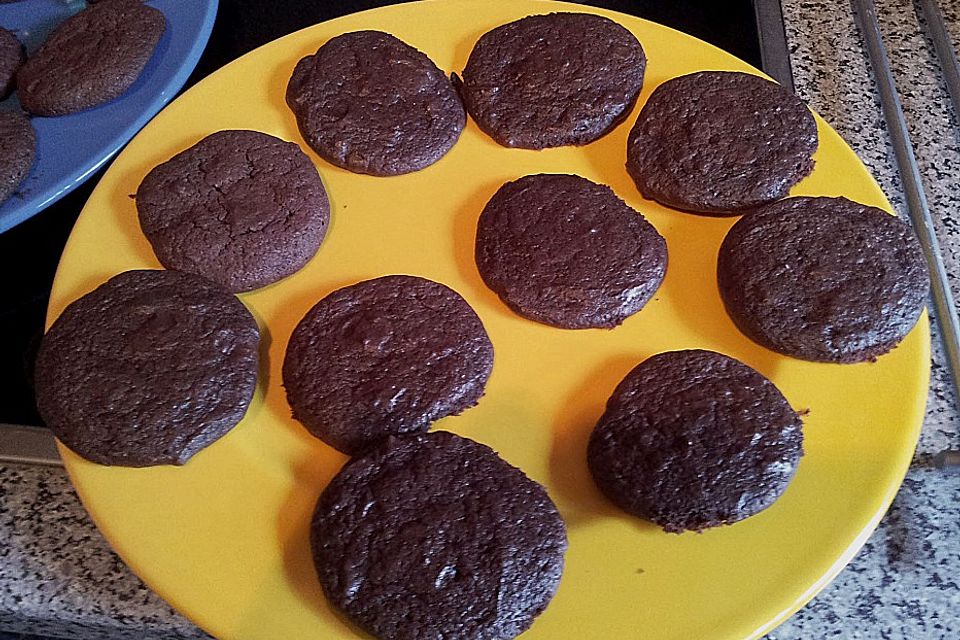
(18, 148)
(11, 57)
(90, 58)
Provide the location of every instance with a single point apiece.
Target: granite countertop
(58, 576)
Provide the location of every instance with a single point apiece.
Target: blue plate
(71, 148)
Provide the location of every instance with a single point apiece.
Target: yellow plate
(224, 539)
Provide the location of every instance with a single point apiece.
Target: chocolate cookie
(720, 141)
(823, 279)
(11, 57)
(435, 536)
(241, 208)
(385, 356)
(147, 369)
(553, 80)
(18, 147)
(695, 439)
(90, 58)
(371, 103)
(565, 251)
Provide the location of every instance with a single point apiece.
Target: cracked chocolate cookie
(695, 439)
(568, 252)
(90, 58)
(11, 57)
(147, 369)
(18, 148)
(370, 103)
(385, 356)
(823, 279)
(720, 141)
(553, 80)
(241, 208)
(435, 536)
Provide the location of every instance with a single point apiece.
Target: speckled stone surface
(58, 577)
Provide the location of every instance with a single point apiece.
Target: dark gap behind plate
(729, 25)
(30, 251)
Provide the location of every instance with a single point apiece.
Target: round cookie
(435, 536)
(823, 279)
(90, 58)
(553, 80)
(11, 57)
(18, 147)
(568, 252)
(695, 439)
(720, 141)
(241, 208)
(370, 103)
(385, 356)
(147, 369)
